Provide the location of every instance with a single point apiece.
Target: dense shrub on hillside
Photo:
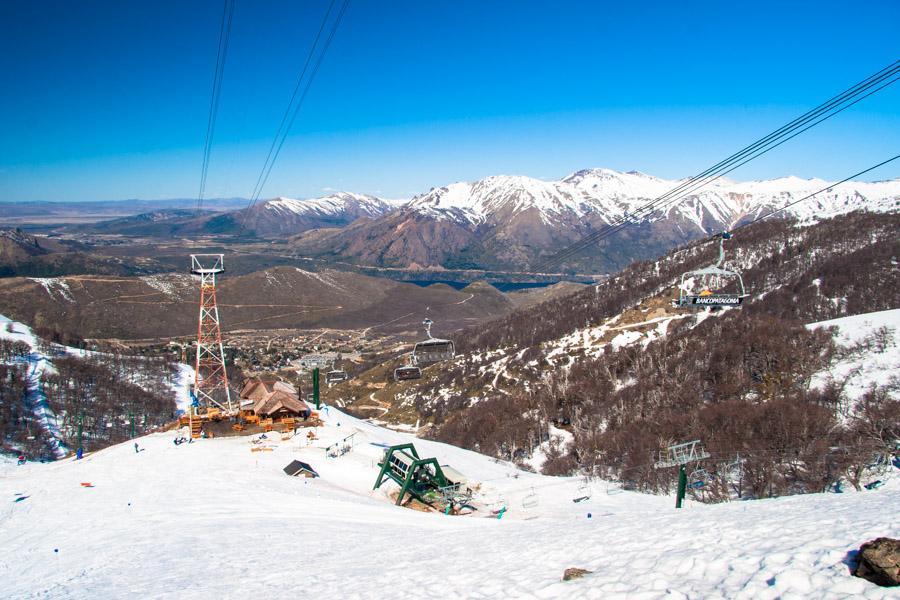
(102, 393)
(739, 381)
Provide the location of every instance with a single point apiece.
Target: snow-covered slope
(515, 222)
(288, 216)
(213, 518)
(334, 205)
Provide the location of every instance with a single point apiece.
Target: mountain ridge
(515, 221)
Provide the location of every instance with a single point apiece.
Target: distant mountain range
(513, 222)
(287, 216)
(55, 213)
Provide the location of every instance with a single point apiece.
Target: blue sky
(109, 100)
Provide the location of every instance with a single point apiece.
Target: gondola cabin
(433, 350)
(407, 373)
(336, 376)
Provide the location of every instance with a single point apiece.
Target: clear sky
(109, 100)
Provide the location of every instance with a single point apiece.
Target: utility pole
(682, 486)
(315, 383)
(80, 452)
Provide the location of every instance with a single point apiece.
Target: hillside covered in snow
(220, 518)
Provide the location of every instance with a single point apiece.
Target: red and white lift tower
(211, 386)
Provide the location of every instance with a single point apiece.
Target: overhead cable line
(755, 150)
(666, 202)
(828, 109)
(296, 101)
(221, 53)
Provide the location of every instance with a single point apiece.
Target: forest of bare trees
(18, 429)
(108, 394)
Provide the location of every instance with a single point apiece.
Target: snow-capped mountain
(610, 195)
(514, 221)
(287, 216)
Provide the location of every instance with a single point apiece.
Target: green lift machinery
(417, 476)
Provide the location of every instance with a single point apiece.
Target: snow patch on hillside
(55, 283)
(169, 285)
(324, 278)
(873, 364)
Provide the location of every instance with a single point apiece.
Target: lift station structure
(417, 476)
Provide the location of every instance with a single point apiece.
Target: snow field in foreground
(216, 519)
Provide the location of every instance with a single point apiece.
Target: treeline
(739, 381)
(104, 394)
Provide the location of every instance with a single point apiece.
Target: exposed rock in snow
(879, 562)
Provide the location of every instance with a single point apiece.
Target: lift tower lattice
(211, 386)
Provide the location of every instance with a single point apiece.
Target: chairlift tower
(680, 455)
(211, 385)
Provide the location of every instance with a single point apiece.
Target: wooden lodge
(275, 400)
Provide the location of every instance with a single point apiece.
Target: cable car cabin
(336, 376)
(432, 351)
(407, 372)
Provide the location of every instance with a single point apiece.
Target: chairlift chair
(712, 278)
(583, 492)
(432, 350)
(698, 478)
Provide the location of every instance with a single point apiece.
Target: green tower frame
(417, 479)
